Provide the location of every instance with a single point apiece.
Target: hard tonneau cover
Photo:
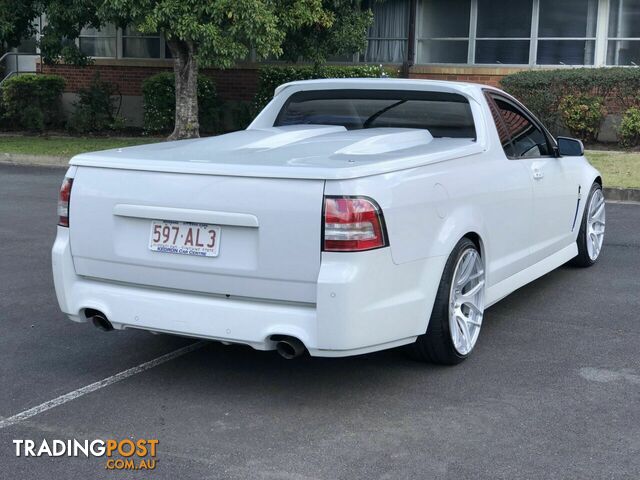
(303, 152)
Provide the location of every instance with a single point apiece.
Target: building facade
(468, 40)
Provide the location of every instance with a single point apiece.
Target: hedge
(159, 103)
(271, 77)
(543, 91)
(33, 102)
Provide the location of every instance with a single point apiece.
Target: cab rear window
(443, 114)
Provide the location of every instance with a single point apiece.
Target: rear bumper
(365, 302)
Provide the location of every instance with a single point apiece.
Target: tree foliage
(17, 20)
(214, 33)
(345, 36)
(221, 31)
(65, 20)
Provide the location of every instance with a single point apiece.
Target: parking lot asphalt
(552, 390)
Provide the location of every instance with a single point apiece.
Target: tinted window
(502, 51)
(527, 139)
(576, 18)
(446, 18)
(443, 114)
(505, 139)
(504, 18)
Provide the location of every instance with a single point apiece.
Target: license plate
(197, 239)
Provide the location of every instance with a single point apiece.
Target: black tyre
(591, 234)
(458, 309)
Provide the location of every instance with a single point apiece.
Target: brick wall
(238, 83)
(235, 83)
(486, 75)
(232, 84)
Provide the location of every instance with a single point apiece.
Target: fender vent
(575, 217)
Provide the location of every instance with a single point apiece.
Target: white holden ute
(351, 216)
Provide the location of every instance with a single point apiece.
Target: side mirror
(570, 147)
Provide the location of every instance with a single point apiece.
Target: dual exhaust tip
(287, 347)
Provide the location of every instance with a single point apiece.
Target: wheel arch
(477, 241)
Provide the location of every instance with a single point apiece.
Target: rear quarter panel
(428, 209)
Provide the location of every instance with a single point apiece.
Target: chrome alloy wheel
(595, 224)
(466, 301)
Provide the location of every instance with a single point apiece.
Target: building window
(139, 45)
(101, 42)
(623, 44)
(28, 45)
(387, 37)
(443, 31)
(511, 32)
(503, 31)
(567, 35)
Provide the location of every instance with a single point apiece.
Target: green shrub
(539, 92)
(629, 130)
(4, 123)
(238, 114)
(159, 102)
(543, 90)
(33, 102)
(582, 115)
(97, 108)
(271, 77)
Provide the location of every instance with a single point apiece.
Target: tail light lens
(63, 202)
(353, 224)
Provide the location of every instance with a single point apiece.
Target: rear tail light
(353, 224)
(63, 202)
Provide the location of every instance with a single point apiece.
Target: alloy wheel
(595, 224)
(466, 301)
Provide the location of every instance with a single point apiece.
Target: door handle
(537, 173)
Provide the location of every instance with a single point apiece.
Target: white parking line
(67, 397)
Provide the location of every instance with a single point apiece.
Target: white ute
(351, 216)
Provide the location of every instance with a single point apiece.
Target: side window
(505, 138)
(527, 139)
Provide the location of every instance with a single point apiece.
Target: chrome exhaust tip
(290, 347)
(99, 320)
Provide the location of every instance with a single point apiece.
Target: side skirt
(500, 290)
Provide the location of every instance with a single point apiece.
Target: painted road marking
(604, 375)
(67, 397)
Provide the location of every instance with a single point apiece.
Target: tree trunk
(186, 75)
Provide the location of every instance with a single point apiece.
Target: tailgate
(269, 231)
